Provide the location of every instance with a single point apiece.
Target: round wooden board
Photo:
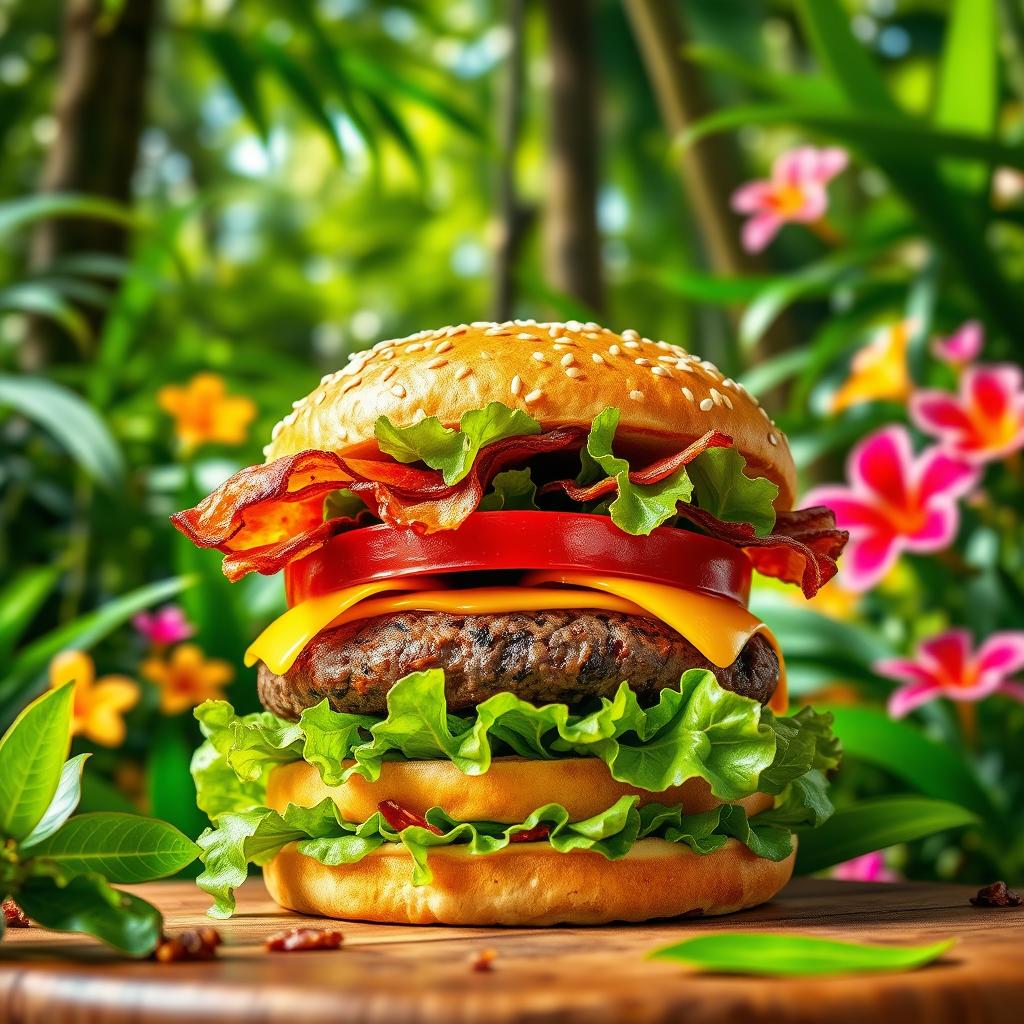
(395, 974)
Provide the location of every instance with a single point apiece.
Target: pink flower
(796, 192)
(985, 421)
(895, 502)
(869, 867)
(945, 666)
(163, 627)
(962, 346)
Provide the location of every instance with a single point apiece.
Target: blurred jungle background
(208, 204)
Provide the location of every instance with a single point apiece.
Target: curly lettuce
(319, 832)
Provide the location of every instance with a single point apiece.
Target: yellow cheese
(717, 627)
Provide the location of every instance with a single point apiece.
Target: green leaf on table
(722, 488)
(32, 755)
(449, 450)
(790, 955)
(875, 824)
(934, 769)
(87, 904)
(637, 508)
(123, 848)
(63, 804)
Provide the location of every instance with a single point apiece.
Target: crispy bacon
(801, 549)
(399, 817)
(652, 474)
(531, 835)
(266, 516)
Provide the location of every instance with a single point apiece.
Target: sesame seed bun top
(559, 373)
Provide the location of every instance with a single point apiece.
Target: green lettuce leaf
(513, 489)
(722, 488)
(319, 832)
(698, 731)
(452, 451)
(638, 508)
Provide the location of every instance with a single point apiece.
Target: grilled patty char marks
(544, 657)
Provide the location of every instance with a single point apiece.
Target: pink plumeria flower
(869, 867)
(982, 423)
(963, 346)
(895, 502)
(796, 192)
(164, 627)
(945, 666)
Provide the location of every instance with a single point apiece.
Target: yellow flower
(878, 370)
(99, 704)
(835, 602)
(203, 412)
(186, 678)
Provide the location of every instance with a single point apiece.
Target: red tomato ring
(566, 541)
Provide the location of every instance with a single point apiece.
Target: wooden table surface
(394, 974)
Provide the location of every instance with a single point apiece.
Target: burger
(517, 681)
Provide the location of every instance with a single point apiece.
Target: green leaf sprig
(59, 868)
(788, 955)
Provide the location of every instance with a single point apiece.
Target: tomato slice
(522, 541)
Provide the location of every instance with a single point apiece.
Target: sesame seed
(298, 403)
(533, 396)
(555, 330)
(526, 337)
(388, 354)
(707, 405)
(772, 439)
(325, 378)
(540, 357)
(592, 336)
(454, 332)
(517, 384)
(574, 371)
(685, 367)
(439, 333)
(482, 323)
(568, 359)
(637, 396)
(728, 383)
(436, 363)
(631, 344)
(662, 345)
(760, 409)
(419, 414)
(444, 346)
(716, 396)
(289, 419)
(266, 449)
(417, 347)
(597, 357)
(278, 427)
(497, 331)
(728, 401)
(464, 373)
(642, 362)
(350, 384)
(660, 371)
(389, 373)
(564, 343)
(398, 391)
(614, 350)
(688, 393)
(630, 333)
(320, 396)
(666, 359)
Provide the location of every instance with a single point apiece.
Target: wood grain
(395, 974)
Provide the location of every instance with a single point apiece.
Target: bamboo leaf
(19, 213)
(791, 955)
(873, 825)
(20, 599)
(32, 755)
(43, 300)
(241, 71)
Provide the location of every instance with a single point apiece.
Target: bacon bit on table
(193, 944)
(998, 894)
(14, 916)
(399, 817)
(482, 960)
(531, 835)
(295, 940)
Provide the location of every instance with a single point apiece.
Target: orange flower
(186, 678)
(203, 412)
(835, 602)
(99, 704)
(878, 370)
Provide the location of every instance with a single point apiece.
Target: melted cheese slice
(717, 627)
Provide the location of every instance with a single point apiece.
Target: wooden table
(393, 974)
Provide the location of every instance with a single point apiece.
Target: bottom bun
(529, 884)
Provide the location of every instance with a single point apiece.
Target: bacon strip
(802, 548)
(266, 516)
(652, 474)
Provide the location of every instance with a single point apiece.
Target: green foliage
(788, 955)
(58, 867)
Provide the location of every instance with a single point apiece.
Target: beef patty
(545, 657)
